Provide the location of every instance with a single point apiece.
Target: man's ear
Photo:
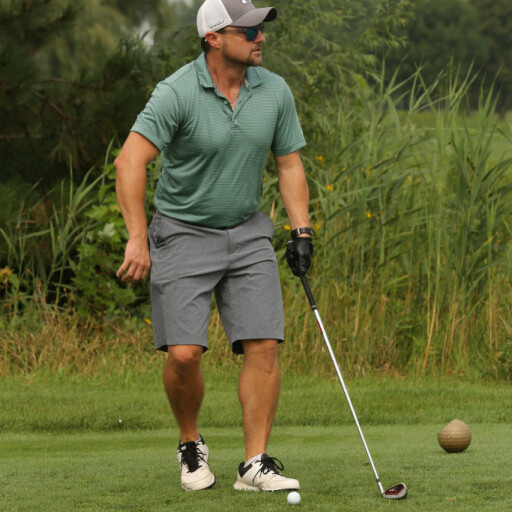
(213, 39)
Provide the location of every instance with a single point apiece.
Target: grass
(137, 470)
(63, 404)
(62, 446)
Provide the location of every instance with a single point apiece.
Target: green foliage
(412, 235)
(41, 242)
(439, 33)
(412, 218)
(341, 39)
(99, 295)
(478, 207)
(496, 25)
(59, 107)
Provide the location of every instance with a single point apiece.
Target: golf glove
(298, 255)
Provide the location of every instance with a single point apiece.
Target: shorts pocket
(268, 226)
(155, 238)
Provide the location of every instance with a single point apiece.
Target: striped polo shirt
(213, 157)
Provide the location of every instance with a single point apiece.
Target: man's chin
(256, 59)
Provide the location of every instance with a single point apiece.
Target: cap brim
(255, 17)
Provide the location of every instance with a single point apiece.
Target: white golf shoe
(195, 471)
(263, 475)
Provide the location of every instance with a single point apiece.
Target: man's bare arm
(130, 166)
(294, 189)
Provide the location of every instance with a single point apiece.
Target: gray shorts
(238, 264)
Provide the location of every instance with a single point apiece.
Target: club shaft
(340, 377)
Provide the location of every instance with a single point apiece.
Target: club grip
(309, 294)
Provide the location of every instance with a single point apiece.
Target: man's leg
(184, 385)
(258, 391)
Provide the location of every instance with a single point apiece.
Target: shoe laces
(270, 464)
(191, 456)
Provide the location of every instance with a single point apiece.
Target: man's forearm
(131, 191)
(295, 195)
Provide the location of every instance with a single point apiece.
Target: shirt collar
(252, 75)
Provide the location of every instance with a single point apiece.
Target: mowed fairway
(138, 471)
(83, 469)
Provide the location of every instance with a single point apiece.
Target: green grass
(63, 448)
(138, 470)
(67, 403)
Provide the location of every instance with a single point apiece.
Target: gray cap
(216, 14)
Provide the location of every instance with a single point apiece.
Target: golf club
(397, 492)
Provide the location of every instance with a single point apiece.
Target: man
(215, 120)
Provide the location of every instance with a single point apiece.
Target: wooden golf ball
(455, 437)
(293, 498)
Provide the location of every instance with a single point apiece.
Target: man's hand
(136, 262)
(298, 255)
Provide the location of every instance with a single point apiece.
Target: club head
(397, 492)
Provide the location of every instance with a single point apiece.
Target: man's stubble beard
(251, 60)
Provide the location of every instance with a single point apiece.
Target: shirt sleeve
(288, 136)
(160, 118)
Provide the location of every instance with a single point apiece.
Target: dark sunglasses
(251, 33)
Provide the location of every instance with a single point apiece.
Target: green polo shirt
(213, 157)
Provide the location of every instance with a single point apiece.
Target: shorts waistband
(220, 228)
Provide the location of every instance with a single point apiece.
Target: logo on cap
(220, 22)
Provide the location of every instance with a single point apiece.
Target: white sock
(254, 459)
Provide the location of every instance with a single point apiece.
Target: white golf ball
(293, 498)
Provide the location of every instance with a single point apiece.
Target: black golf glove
(298, 255)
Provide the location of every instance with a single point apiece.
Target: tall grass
(413, 234)
(41, 242)
(412, 215)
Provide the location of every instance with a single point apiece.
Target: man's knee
(184, 357)
(260, 346)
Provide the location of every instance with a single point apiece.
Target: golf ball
(293, 498)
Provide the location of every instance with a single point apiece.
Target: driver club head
(397, 492)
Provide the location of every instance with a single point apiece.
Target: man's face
(237, 50)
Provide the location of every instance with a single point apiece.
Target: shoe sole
(202, 488)
(240, 486)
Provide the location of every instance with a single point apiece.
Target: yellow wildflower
(368, 214)
(287, 227)
(330, 187)
(147, 320)
(5, 273)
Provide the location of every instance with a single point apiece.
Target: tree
(65, 92)
(67, 86)
(324, 47)
(438, 33)
(496, 22)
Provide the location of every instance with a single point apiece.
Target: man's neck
(224, 75)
